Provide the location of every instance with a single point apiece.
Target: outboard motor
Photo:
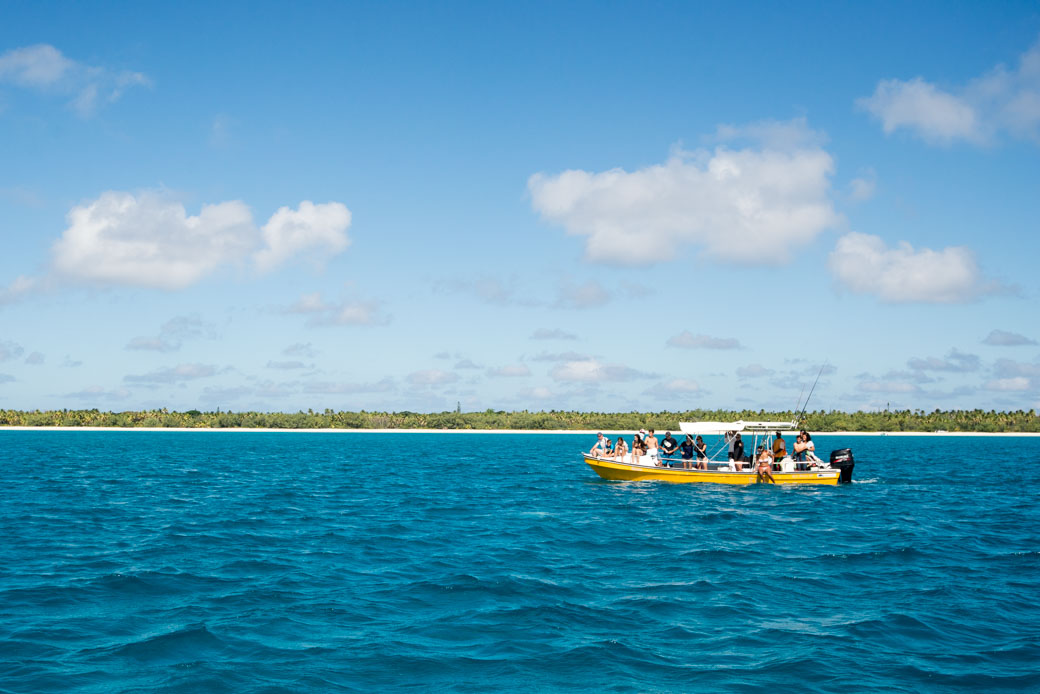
(841, 459)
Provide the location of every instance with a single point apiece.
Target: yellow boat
(786, 471)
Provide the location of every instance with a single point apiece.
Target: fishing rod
(799, 418)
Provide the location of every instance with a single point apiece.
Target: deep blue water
(285, 562)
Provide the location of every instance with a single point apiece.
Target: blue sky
(595, 206)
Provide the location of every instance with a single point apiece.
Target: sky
(603, 206)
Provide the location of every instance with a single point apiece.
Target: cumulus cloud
(34, 359)
(1003, 338)
(1013, 384)
(750, 205)
(497, 291)
(687, 340)
(286, 365)
(6, 378)
(321, 229)
(862, 188)
(147, 240)
(44, 68)
(864, 264)
(1002, 101)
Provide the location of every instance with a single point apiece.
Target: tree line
(1018, 421)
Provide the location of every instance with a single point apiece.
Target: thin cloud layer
(743, 205)
(1003, 101)
(44, 68)
(147, 240)
(687, 340)
(864, 264)
(1004, 338)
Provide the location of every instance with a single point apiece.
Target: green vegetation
(900, 420)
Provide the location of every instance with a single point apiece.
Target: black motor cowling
(841, 459)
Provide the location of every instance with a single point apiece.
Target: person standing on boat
(668, 446)
(651, 448)
(737, 453)
(686, 451)
(779, 448)
(701, 449)
(765, 464)
(730, 437)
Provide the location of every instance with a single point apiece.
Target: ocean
(304, 562)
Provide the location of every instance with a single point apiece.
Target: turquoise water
(284, 562)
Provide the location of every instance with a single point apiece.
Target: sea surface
(304, 562)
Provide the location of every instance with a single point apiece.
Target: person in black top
(738, 453)
(668, 446)
(701, 449)
(686, 450)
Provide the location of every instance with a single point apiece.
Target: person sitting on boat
(686, 451)
(602, 446)
(638, 447)
(620, 448)
(651, 447)
(779, 448)
(668, 446)
(737, 453)
(765, 464)
(701, 449)
(805, 449)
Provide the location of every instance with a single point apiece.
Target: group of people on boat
(662, 453)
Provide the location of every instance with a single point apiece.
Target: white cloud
(679, 385)
(955, 361)
(329, 388)
(754, 371)
(593, 371)
(1015, 384)
(34, 359)
(10, 350)
(552, 334)
(43, 67)
(431, 377)
(356, 312)
(18, 289)
(863, 188)
(1000, 101)
(147, 240)
(300, 349)
(98, 393)
(510, 371)
(321, 229)
(591, 294)
(6, 378)
(286, 365)
(175, 374)
(752, 205)
(687, 340)
(863, 264)
(1003, 338)
(933, 114)
(173, 333)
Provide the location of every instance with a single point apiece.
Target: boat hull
(626, 472)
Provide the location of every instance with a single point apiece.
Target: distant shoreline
(581, 432)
